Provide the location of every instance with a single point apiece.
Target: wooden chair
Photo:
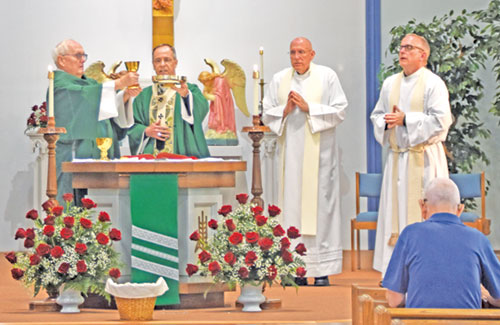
(361, 305)
(367, 185)
(387, 316)
(472, 186)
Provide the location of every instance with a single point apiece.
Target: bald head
(301, 54)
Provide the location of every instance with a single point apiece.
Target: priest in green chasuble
(87, 109)
(168, 119)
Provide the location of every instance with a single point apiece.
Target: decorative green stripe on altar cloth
(155, 268)
(153, 206)
(156, 253)
(154, 237)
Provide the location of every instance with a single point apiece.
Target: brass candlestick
(256, 133)
(51, 135)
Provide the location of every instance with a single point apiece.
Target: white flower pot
(251, 297)
(69, 300)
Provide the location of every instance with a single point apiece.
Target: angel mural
(221, 122)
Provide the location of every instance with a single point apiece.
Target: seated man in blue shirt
(440, 262)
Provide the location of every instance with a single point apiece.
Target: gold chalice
(132, 66)
(104, 144)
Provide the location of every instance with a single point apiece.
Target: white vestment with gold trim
(429, 128)
(326, 111)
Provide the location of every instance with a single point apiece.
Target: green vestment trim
(153, 207)
(189, 139)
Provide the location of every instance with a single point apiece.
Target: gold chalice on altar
(104, 144)
(132, 66)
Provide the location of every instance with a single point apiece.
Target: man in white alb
(412, 117)
(303, 105)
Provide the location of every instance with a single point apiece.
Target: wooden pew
(367, 306)
(387, 316)
(375, 292)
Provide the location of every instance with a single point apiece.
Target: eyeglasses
(409, 47)
(79, 56)
(299, 52)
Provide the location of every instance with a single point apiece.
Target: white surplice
(324, 251)
(430, 128)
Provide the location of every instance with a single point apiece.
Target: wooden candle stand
(256, 133)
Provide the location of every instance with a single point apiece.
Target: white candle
(51, 92)
(255, 90)
(261, 52)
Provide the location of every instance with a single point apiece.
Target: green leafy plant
(68, 248)
(249, 248)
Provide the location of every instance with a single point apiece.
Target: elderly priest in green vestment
(168, 118)
(87, 109)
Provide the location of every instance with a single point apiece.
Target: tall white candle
(51, 92)
(261, 52)
(255, 90)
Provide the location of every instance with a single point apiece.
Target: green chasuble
(189, 139)
(153, 206)
(76, 108)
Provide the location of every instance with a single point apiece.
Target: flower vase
(251, 297)
(69, 300)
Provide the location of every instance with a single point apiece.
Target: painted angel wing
(96, 71)
(235, 76)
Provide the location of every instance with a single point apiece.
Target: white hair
(61, 49)
(442, 192)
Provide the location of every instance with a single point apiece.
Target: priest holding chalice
(168, 115)
(88, 110)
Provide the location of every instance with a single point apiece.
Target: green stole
(153, 205)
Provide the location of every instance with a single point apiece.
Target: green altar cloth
(153, 207)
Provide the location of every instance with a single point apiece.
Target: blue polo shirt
(440, 263)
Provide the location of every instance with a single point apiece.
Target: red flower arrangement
(38, 117)
(249, 248)
(68, 248)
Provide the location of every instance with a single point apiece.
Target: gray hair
(442, 192)
(61, 49)
(163, 45)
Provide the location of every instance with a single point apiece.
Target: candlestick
(261, 52)
(255, 90)
(51, 91)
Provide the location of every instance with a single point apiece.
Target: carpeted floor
(308, 305)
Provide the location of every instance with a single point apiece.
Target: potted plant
(249, 249)
(67, 248)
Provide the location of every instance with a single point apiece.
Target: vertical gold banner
(163, 22)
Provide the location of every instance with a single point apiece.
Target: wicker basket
(136, 308)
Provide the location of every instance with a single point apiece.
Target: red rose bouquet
(248, 248)
(38, 117)
(67, 247)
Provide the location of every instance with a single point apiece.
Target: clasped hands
(295, 100)
(157, 131)
(396, 118)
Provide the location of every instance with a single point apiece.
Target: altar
(199, 196)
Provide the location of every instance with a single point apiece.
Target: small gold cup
(132, 66)
(104, 144)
